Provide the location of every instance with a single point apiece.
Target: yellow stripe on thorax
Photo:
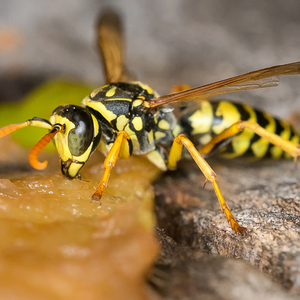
(137, 123)
(111, 92)
(121, 122)
(163, 124)
(100, 107)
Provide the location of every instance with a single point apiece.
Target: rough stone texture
(183, 273)
(264, 196)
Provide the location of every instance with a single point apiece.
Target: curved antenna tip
(39, 146)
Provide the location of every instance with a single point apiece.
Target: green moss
(40, 103)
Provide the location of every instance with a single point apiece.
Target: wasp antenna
(39, 146)
(37, 122)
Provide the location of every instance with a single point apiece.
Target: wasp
(125, 117)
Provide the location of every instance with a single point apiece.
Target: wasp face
(79, 138)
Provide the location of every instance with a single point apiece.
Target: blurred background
(167, 42)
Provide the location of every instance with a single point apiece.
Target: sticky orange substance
(56, 244)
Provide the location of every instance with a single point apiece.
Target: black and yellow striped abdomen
(206, 120)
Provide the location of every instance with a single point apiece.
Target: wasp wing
(111, 46)
(267, 77)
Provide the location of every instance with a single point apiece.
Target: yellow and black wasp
(127, 117)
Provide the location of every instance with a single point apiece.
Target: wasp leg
(109, 163)
(290, 147)
(175, 156)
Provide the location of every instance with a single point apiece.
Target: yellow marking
(277, 140)
(118, 99)
(111, 92)
(74, 169)
(85, 155)
(157, 160)
(125, 150)
(100, 107)
(295, 139)
(176, 130)
(134, 139)
(276, 152)
(61, 138)
(121, 122)
(163, 124)
(286, 133)
(146, 103)
(159, 135)
(137, 103)
(144, 86)
(241, 142)
(97, 90)
(230, 115)
(202, 119)
(150, 137)
(61, 143)
(147, 88)
(141, 97)
(137, 123)
(260, 147)
(205, 139)
(96, 125)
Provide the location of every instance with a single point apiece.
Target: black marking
(279, 128)
(217, 120)
(81, 137)
(245, 115)
(123, 90)
(261, 119)
(104, 126)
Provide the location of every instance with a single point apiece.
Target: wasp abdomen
(209, 119)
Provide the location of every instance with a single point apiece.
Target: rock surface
(183, 273)
(264, 197)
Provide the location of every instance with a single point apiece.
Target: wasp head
(79, 137)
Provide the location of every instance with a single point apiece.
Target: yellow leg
(109, 163)
(292, 148)
(174, 157)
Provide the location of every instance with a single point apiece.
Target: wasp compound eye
(79, 127)
(80, 137)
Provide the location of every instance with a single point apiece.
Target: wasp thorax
(78, 139)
